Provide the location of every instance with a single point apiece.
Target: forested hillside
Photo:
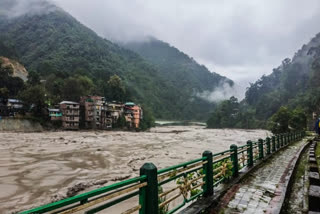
(57, 47)
(295, 84)
(177, 67)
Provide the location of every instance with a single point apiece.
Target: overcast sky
(241, 39)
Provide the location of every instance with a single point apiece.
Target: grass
(317, 152)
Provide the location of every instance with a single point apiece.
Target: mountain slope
(176, 66)
(289, 84)
(52, 41)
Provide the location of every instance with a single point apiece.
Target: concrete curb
(281, 192)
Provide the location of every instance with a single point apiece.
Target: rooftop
(53, 109)
(69, 102)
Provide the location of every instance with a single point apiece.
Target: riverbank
(19, 125)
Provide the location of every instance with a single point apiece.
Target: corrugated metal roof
(69, 102)
(54, 109)
(14, 101)
(129, 104)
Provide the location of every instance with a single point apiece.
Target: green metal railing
(167, 190)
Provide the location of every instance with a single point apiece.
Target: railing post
(289, 136)
(281, 140)
(234, 159)
(148, 195)
(250, 153)
(260, 144)
(273, 144)
(268, 145)
(278, 142)
(208, 171)
(286, 139)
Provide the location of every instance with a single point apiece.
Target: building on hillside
(115, 110)
(70, 115)
(14, 107)
(105, 119)
(133, 114)
(54, 114)
(91, 107)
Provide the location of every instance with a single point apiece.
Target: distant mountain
(294, 84)
(177, 67)
(49, 41)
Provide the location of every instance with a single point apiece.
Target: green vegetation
(284, 120)
(74, 60)
(9, 86)
(147, 120)
(182, 71)
(232, 114)
(291, 93)
(317, 153)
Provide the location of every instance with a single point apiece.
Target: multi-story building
(133, 114)
(70, 115)
(91, 111)
(55, 114)
(115, 110)
(105, 119)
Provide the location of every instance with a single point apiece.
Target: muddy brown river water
(38, 168)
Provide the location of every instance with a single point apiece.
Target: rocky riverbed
(38, 168)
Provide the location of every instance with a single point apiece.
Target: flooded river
(37, 168)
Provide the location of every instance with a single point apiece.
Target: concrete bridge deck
(263, 191)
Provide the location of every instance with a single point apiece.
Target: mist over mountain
(52, 43)
(293, 85)
(183, 71)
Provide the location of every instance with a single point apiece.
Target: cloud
(242, 34)
(16, 8)
(223, 93)
(241, 39)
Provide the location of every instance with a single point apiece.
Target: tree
(75, 87)
(4, 93)
(148, 120)
(116, 90)
(298, 120)
(34, 96)
(226, 115)
(33, 78)
(12, 84)
(279, 122)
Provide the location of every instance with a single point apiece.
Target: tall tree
(116, 90)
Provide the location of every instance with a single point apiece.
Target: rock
(314, 175)
(72, 191)
(314, 191)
